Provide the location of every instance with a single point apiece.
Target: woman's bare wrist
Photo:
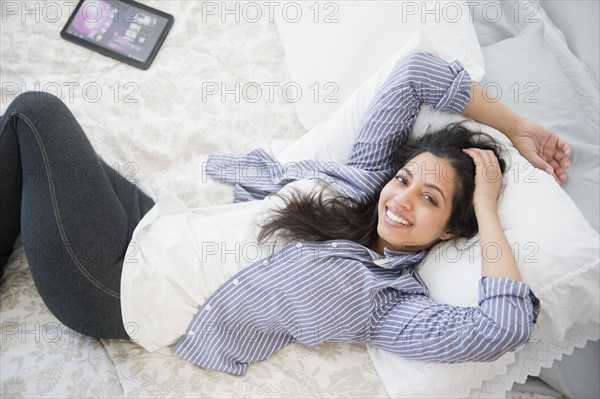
(515, 127)
(485, 209)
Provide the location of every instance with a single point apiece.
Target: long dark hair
(315, 216)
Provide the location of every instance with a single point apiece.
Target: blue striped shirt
(340, 291)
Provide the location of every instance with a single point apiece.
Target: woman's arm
(492, 112)
(418, 328)
(418, 79)
(541, 147)
(497, 259)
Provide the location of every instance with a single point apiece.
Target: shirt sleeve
(418, 328)
(418, 79)
(258, 174)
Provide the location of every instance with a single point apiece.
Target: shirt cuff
(501, 287)
(458, 94)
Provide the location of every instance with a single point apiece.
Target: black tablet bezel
(113, 54)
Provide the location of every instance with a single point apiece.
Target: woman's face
(415, 206)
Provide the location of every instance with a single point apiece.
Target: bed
(220, 84)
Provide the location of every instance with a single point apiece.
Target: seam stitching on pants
(63, 235)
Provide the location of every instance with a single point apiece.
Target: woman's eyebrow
(407, 171)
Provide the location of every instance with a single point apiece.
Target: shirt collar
(397, 259)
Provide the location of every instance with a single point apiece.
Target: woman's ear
(448, 234)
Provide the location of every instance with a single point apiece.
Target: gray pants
(75, 214)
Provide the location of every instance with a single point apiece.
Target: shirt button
(299, 245)
(192, 332)
(207, 308)
(334, 244)
(265, 263)
(381, 262)
(235, 281)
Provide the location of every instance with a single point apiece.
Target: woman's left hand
(488, 178)
(544, 149)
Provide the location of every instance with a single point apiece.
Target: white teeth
(397, 219)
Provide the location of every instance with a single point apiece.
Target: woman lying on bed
(343, 266)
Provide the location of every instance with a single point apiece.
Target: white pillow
(332, 139)
(556, 248)
(332, 47)
(542, 92)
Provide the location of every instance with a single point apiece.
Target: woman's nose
(405, 198)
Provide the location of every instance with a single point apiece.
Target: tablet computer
(125, 30)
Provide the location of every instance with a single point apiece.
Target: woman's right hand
(488, 178)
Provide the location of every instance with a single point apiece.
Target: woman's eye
(430, 199)
(401, 179)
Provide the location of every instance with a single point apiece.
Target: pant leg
(77, 215)
(10, 193)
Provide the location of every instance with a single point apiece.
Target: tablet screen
(118, 26)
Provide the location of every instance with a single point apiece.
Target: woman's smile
(397, 219)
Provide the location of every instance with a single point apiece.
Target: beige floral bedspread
(156, 127)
